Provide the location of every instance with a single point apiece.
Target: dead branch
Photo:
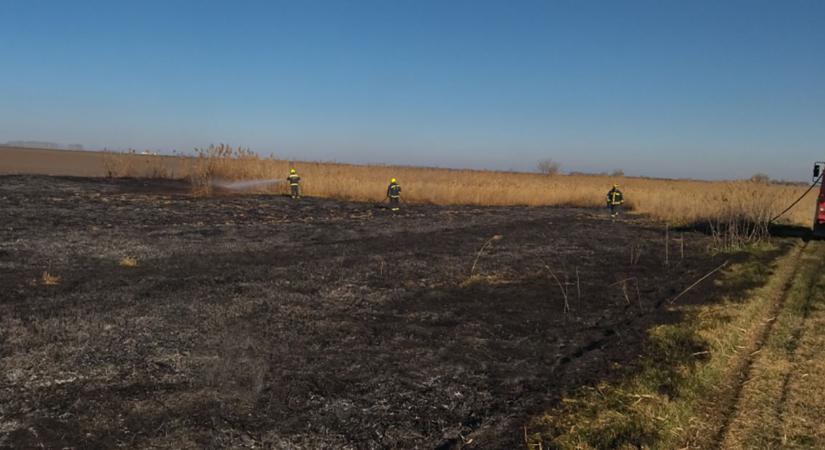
(699, 281)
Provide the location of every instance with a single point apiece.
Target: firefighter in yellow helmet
(394, 194)
(294, 181)
(614, 201)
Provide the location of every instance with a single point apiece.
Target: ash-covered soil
(261, 322)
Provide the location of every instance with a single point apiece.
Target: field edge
(684, 390)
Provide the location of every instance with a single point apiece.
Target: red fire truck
(819, 214)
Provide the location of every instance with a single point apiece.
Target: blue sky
(702, 89)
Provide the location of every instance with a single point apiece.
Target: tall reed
(728, 205)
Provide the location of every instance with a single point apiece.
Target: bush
(760, 178)
(549, 167)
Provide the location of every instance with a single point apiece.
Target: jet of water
(246, 184)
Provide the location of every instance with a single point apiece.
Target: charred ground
(261, 321)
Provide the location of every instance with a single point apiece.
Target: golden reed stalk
(674, 201)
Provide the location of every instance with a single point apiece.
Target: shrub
(549, 167)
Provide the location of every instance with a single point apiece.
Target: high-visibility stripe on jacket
(394, 191)
(293, 179)
(614, 197)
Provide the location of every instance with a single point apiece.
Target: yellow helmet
(291, 170)
(393, 180)
(615, 185)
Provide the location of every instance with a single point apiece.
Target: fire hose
(799, 199)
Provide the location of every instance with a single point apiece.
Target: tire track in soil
(731, 410)
(781, 405)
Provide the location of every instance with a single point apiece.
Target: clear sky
(691, 88)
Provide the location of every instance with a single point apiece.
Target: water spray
(244, 185)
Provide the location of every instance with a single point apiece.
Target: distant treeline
(40, 144)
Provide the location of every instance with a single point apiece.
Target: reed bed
(723, 204)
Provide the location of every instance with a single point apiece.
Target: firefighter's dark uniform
(614, 201)
(394, 194)
(294, 181)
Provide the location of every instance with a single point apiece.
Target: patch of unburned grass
(762, 412)
(48, 279)
(676, 395)
(802, 425)
(128, 261)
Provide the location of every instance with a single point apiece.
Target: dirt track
(260, 321)
(776, 401)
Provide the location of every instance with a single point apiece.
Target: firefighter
(394, 194)
(294, 180)
(614, 201)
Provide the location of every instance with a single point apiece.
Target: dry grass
(802, 425)
(732, 204)
(743, 216)
(48, 279)
(225, 163)
(134, 164)
(767, 411)
(128, 261)
(487, 244)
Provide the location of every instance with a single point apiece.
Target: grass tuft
(128, 261)
(48, 279)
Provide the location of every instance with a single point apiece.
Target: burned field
(134, 315)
